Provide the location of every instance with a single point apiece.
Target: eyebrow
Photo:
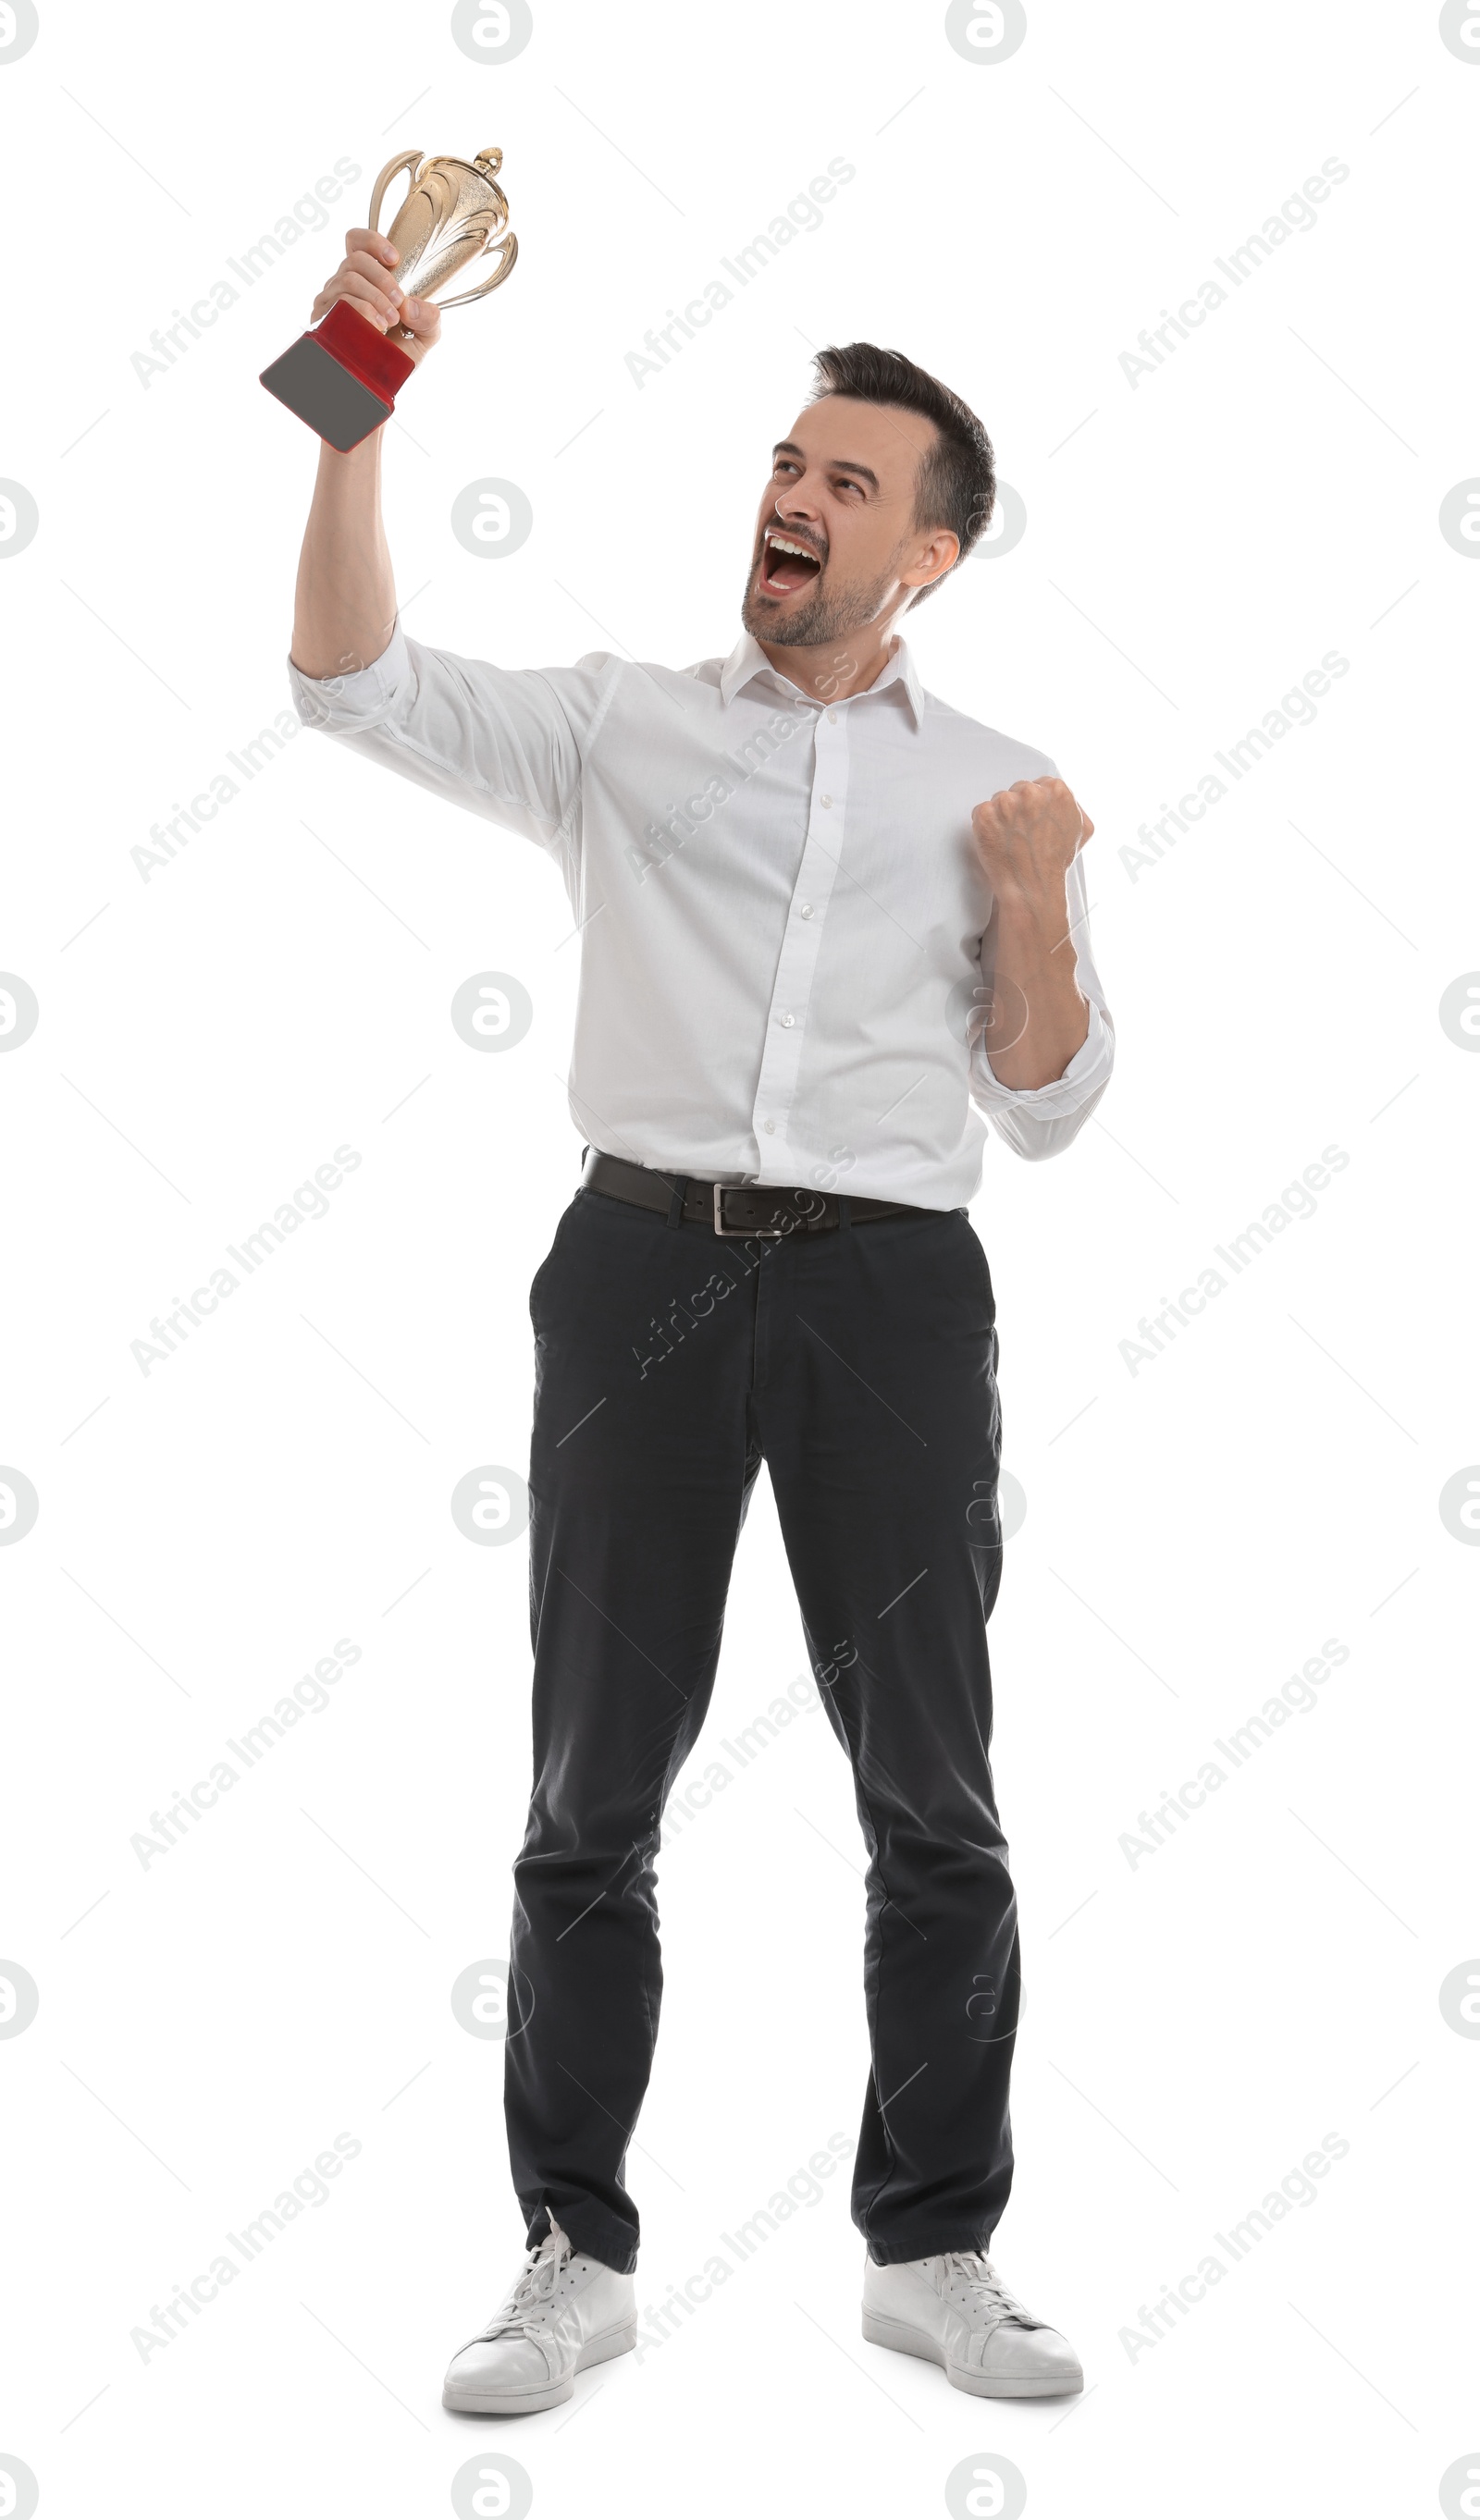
(788, 446)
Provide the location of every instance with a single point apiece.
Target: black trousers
(860, 1365)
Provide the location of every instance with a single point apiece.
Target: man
(827, 923)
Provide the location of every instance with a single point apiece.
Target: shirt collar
(747, 659)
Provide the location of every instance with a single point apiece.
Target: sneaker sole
(978, 2384)
(533, 2402)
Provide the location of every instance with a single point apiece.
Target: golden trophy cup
(343, 378)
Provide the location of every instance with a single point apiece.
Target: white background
(1194, 1530)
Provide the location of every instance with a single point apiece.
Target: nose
(793, 506)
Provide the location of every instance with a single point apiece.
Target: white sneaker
(564, 2312)
(956, 2311)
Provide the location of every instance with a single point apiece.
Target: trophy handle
(409, 157)
(507, 254)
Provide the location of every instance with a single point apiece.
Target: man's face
(837, 544)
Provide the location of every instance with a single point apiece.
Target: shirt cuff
(1085, 1076)
(342, 702)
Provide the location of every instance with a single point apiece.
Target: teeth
(778, 542)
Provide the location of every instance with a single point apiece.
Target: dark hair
(957, 484)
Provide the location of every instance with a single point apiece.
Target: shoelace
(532, 2294)
(987, 2288)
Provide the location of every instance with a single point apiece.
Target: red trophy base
(341, 378)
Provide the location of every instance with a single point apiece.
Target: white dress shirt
(780, 900)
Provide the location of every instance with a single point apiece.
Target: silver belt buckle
(739, 1232)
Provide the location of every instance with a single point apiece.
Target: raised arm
(1043, 1058)
(346, 603)
(1027, 837)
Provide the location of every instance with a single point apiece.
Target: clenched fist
(1027, 837)
(365, 278)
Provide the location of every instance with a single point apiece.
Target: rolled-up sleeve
(1041, 1120)
(508, 746)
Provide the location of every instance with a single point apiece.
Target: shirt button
(833, 717)
(806, 910)
(770, 1128)
(825, 800)
(788, 1021)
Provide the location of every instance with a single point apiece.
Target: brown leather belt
(730, 1209)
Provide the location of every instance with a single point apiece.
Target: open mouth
(786, 564)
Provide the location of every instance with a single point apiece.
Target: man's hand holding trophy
(378, 317)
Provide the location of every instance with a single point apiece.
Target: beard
(828, 613)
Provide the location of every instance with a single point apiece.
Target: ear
(939, 554)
